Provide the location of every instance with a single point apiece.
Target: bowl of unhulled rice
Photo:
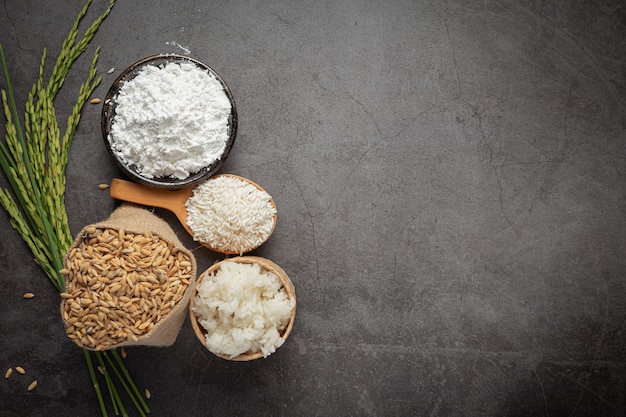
(243, 308)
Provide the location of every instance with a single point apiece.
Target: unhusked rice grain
(243, 308)
(230, 214)
(120, 285)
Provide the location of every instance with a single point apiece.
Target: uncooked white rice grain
(230, 214)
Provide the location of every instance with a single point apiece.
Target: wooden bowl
(265, 264)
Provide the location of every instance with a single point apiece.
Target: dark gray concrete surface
(451, 191)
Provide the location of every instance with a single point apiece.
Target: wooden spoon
(173, 201)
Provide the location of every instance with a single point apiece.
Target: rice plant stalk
(34, 160)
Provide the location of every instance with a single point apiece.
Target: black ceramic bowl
(108, 118)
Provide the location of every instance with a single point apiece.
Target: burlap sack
(136, 220)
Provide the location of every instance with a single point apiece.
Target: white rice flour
(171, 120)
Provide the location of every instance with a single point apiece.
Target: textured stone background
(450, 182)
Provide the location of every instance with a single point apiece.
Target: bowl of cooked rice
(243, 308)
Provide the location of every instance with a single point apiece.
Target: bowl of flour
(169, 121)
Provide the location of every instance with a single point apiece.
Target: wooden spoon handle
(149, 196)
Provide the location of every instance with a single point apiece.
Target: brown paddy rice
(119, 285)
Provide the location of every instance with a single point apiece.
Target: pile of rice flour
(170, 120)
(243, 308)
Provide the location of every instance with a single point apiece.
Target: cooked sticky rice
(244, 308)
